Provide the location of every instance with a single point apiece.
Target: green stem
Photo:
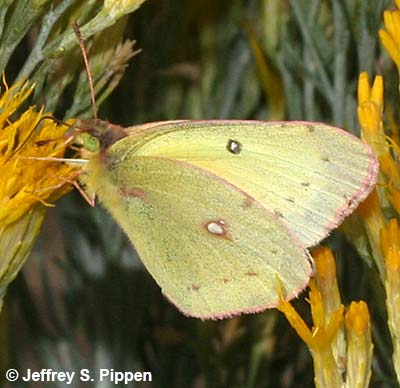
(308, 84)
(36, 55)
(341, 45)
(4, 6)
(19, 21)
(316, 57)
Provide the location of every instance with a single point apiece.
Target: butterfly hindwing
(213, 249)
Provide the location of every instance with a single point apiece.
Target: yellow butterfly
(219, 210)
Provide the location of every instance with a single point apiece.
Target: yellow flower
(371, 214)
(390, 37)
(370, 108)
(332, 355)
(359, 351)
(27, 181)
(325, 277)
(390, 243)
(118, 8)
(319, 339)
(326, 281)
(27, 184)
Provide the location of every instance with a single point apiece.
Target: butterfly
(220, 210)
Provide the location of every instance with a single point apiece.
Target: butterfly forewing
(310, 175)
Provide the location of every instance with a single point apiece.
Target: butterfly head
(97, 135)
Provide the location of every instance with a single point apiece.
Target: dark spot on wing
(352, 202)
(251, 273)
(234, 147)
(274, 251)
(325, 158)
(291, 200)
(310, 128)
(305, 184)
(278, 213)
(225, 280)
(248, 201)
(195, 287)
(133, 192)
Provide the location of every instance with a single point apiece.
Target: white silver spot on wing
(218, 228)
(234, 147)
(215, 228)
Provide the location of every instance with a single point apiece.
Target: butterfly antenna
(78, 34)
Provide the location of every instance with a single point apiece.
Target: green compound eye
(90, 142)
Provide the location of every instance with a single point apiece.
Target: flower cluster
(31, 179)
(340, 341)
(27, 180)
